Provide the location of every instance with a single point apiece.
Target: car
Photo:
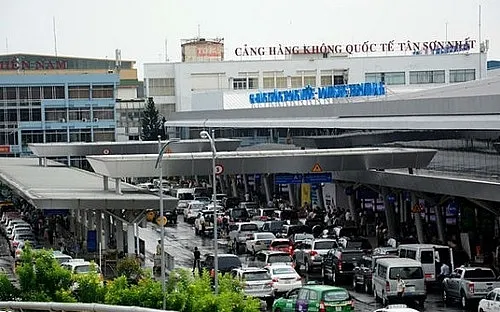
(362, 279)
(230, 202)
(288, 230)
(273, 226)
(204, 223)
(259, 241)
(264, 214)
(256, 282)
(22, 238)
(310, 253)
(238, 215)
(20, 231)
(61, 257)
(396, 308)
(284, 278)
(81, 266)
(239, 233)
(385, 251)
(339, 264)
(226, 263)
(490, 303)
(356, 243)
(251, 207)
(191, 212)
(281, 244)
(311, 298)
(266, 257)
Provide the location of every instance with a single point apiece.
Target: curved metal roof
(247, 162)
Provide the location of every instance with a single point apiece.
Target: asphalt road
(180, 242)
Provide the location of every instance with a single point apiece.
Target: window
(253, 83)
(239, 83)
(35, 93)
(23, 93)
(56, 136)
(391, 78)
(426, 256)
(79, 92)
(281, 82)
(59, 92)
(406, 273)
(161, 86)
(79, 114)
(106, 135)
(104, 113)
(412, 254)
(326, 81)
(336, 295)
(303, 294)
(310, 81)
(429, 76)
(296, 82)
(47, 93)
(24, 114)
(54, 114)
(11, 93)
(462, 75)
(102, 92)
(268, 82)
(339, 80)
(313, 295)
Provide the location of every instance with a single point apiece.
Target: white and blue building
(45, 108)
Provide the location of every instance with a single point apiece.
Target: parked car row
(18, 232)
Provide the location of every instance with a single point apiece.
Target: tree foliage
(152, 124)
(41, 278)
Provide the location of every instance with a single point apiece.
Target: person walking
(400, 288)
(197, 260)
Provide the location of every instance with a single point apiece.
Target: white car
(257, 283)
(259, 241)
(491, 303)
(12, 223)
(191, 212)
(396, 308)
(20, 231)
(284, 277)
(22, 238)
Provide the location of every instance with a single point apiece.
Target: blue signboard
(309, 93)
(287, 178)
(323, 177)
(91, 240)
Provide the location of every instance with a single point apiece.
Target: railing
(77, 307)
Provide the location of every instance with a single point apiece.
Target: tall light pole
(205, 135)
(161, 150)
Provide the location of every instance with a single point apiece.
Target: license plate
(287, 282)
(410, 289)
(338, 308)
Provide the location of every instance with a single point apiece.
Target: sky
(139, 28)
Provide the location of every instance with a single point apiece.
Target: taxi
(315, 298)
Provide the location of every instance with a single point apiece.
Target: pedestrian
(197, 260)
(400, 288)
(158, 248)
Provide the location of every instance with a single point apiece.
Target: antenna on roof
(55, 36)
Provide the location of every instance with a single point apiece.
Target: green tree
(7, 290)
(89, 288)
(41, 276)
(130, 268)
(151, 122)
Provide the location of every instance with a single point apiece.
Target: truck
(469, 284)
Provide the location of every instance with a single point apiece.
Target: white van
(182, 194)
(431, 257)
(384, 280)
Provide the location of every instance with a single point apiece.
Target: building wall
(56, 108)
(194, 78)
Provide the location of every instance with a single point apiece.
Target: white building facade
(228, 84)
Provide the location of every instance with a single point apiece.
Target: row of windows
(75, 135)
(161, 86)
(421, 77)
(77, 114)
(281, 82)
(56, 92)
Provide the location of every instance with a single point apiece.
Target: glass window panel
(24, 114)
(310, 81)
(102, 92)
(59, 92)
(397, 78)
(11, 93)
(47, 93)
(79, 92)
(2, 94)
(326, 80)
(104, 114)
(281, 82)
(239, 83)
(268, 82)
(35, 93)
(23, 93)
(296, 82)
(253, 83)
(462, 75)
(161, 86)
(36, 114)
(373, 77)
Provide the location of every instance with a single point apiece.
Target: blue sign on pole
(91, 241)
(287, 178)
(323, 177)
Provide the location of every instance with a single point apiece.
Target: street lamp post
(161, 150)
(205, 135)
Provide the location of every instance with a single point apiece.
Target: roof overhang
(426, 181)
(428, 122)
(248, 162)
(61, 187)
(128, 147)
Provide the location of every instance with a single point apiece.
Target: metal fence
(77, 307)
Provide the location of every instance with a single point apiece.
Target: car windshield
(185, 196)
(197, 206)
(325, 244)
(264, 236)
(335, 295)
(82, 269)
(240, 213)
(256, 276)
(280, 244)
(25, 237)
(361, 244)
(249, 227)
(406, 273)
(479, 273)
(279, 258)
(229, 263)
(354, 255)
(251, 205)
(284, 270)
(268, 212)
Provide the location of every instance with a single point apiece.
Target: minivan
(384, 280)
(431, 257)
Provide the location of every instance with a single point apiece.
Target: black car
(230, 202)
(362, 280)
(238, 215)
(338, 264)
(226, 263)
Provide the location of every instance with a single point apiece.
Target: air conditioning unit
(62, 120)
(96, 119)
(84, 119)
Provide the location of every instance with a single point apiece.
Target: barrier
(68, 307)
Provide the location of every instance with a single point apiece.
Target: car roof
(251, 269)
(324, 287)
(324, 240)
(273, 252)
(228, 255)
(422, 246)
(281, 265)
(399, 262)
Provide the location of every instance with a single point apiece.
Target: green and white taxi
(315, 298)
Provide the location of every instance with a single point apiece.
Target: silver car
(257, 283)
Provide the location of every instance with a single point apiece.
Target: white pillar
(98, 227)
(119, 235)
(107, 231)
(130, 240)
